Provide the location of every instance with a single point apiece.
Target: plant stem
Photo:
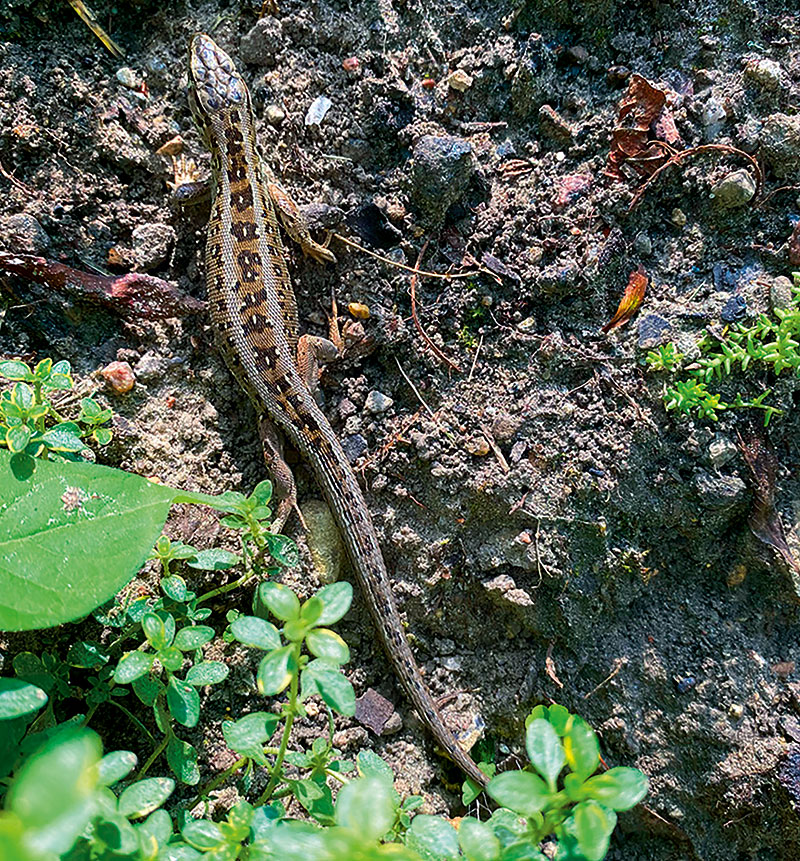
(228, 587)
(155, 754)
(291, 713)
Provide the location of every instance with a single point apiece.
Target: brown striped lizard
(254, 315)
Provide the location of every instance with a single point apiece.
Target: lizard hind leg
(282, 476)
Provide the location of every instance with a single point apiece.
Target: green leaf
(183, 702)
(369, 764)
(102, 436)
(182, 759)
(59, 439)
(249, 734)
(115, 766)
(193, 637)
(71, 536)
(132, 665)
(202, 834)
(593, 827)
(19, 698)
(155, 630)
(581, 748)
(12, 370)
(87, 655)
(54, 792)
(311, 610)
(171, 658)
(433, 838)
(18, 437)
(207, 673)
(281, 601)
(323, 678)
(520, 791)
(545, 750)
(215, 559)
(559, 718)
(316, 798)
(324, 643)
(144, 796)
(262, 493)
(275, 670)
(477, 840)
(619, 788)
(366, 806)
(174, 587)
(336, 599)
(256, 632)
(22, 396)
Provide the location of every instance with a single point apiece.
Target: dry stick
(445, 276)
(699, 150)
(423, 334)
(17, 183)
(775, 191)
(475, 360)
(415, 390)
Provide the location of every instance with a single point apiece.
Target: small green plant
(30, 423)
(771, 344)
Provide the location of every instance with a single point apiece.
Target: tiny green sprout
(29, 421)
(665, 358)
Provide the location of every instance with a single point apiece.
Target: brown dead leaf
(645, 134)
(631, 300)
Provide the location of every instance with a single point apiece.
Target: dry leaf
(631, 300)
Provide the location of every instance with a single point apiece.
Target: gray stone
(642, 243)
(151, 367)
(440, 173)
(734, 190)
(713, 117)
(264, 40)
(274, 115)
(377, 402)
(152, 244)
(719, 492)
(734, 309)
(354, 446)
(765, 73)
(721, 450)
(780, 144)
(780, 293)
(23, 234)
(653, 330)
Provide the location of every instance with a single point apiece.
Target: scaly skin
(254, 313)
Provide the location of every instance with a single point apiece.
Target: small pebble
(765, 73)
(477, 445)
(317, 111)
(734, 309)
(780, 293)
(721, 450)
(736, 576)
(553, 125)
(653, 329)
(23, 234)
(358, 310)
(678, 217)
(152, 244)
(377, 403)
(351, 64)
(735, 711)
(642, 244)
(459, 80)
(129, 78)
(274, 114)
(174, 146)
(685, 684)
(354, 446)
(736, 189)
(119, 375)
(440, 173)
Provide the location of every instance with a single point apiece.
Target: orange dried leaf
(631, 300)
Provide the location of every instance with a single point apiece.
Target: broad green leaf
(593, 827)
(207, 673)
(61, 439)
(116, 765)
(477, 840)
(171, 658)
(183, 702)
(283, 549)
(182, 759)
(249, 734)
(275, 670)
(13, 370)
(367, 806)
(336, 600)
(145, 796)
(520, 791)
(619, 788)
(369, 764)
(202, 834)
(581, 748)
(215, 559)
(262, 492)
(545, 750)
(312, 610)
(316, 798)
(280, 599)
(559, 718)
(71, 536)
(324, 643)
(87, 655)
(256, 632)
(433, 838)
(54, 792)
(193, 637)
(326, 679)
(18, 437)
(132, 665)
(155, 630)
(174, 587)
(18, 697)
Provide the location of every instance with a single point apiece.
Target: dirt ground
(553, 533)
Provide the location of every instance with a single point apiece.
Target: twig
(413, 291)
(693, 151)
(619, 663)
(444, 276)
(415, 390)
(775, 191)
(16, 182)
(475, 359)
(496, 449)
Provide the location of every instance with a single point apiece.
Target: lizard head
(215, 87)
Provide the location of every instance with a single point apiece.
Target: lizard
(255, 320)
